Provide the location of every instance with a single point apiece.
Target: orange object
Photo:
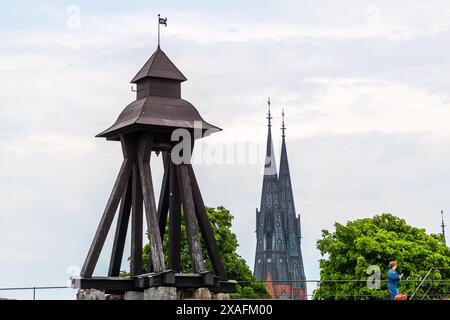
(401, 296)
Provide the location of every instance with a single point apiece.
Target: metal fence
(31, 290)
(424, 288)
(434, 285)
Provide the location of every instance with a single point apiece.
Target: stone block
(220, 296)
(90, 294)
(202, 294)
(160, 293)
(198, 294)
(134, 295)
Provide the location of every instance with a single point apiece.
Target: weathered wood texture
(190, 219)
(205, 227)
(163, 204)
(121, 231)
(136, 224)
(143, 153)
(174, 221)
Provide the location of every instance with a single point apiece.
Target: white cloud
(382, 21)
(45, 143)
(350, 105)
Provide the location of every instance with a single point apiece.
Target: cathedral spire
(291, 222)
(270, 168)
(278, 258)
(270, 257)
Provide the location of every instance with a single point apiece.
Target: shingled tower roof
(159, 66)
(158, 105)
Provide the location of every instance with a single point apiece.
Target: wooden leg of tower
(136, 224)
(121, 231)
(190, 218)
(163, 205)
(174, 221)
(143, 154)
(205, 228)
(110, 210)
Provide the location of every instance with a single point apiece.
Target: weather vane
(269, 114)
(161, 21)
(283, 126)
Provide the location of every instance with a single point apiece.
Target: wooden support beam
(190, 219)
(174, 251)
(205, 228)
(143, 153)
(163, 205)
(162, 279)
(118, 285)
(110, 210)
(108, 284)
(136, 224)
(121, 231)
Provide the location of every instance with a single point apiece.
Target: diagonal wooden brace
(144, 145)
(128, 148)
(187, 200)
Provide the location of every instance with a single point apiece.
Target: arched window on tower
(269, 241)
(295, 272)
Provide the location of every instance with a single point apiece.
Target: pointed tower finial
(283, 126)
(443, 226)
(269, 114)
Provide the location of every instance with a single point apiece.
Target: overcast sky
(364, 85)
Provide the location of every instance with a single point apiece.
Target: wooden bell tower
(145, 128)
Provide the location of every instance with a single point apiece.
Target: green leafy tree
(221, 220)
(352, 248)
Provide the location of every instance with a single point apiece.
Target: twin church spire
(269, 118)
(270, 164)
(278, 258)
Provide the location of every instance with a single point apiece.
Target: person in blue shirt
(393, 279)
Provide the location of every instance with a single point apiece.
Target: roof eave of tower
(140, 115)
(114, 134)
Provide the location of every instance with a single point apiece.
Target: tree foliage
(352, 248)
(221, 221)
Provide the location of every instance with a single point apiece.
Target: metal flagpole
(159, 29)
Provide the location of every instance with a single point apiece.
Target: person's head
(393, 265)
